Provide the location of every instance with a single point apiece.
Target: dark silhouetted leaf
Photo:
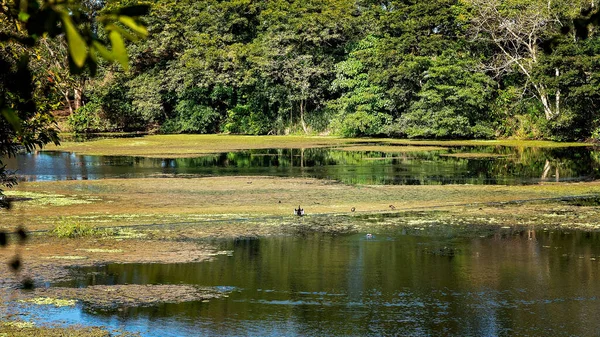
(3, 239)
(15, 264)
(11, 117)
(4, 202)
(22, 235)
(27, 284)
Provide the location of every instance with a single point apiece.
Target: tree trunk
(547, 168)
(545, 101)
(77, 98)
(557, 109)
(302, 107)
(68, 102)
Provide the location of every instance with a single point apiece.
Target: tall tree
(518, 28)
(301, 40)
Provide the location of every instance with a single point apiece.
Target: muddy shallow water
(416, 282)
(392, 165)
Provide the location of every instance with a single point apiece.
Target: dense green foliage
(417, 69)
(414, 69)
(45, 48)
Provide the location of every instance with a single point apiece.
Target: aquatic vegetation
(109, 297)
(72, 229)
(100, 250)
(46, 199)
(66, 257)
(57, 302)
(180, 146)
(19, 324)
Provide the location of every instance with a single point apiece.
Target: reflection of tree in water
(538, 164)
(455, 165)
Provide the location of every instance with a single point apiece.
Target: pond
(438, 281)
(452, 165)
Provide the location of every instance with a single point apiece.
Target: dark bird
(299, 211)
(392, 207)
(353, 209)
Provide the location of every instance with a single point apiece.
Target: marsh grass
(69, 228)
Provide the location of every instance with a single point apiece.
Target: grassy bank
(173, 146)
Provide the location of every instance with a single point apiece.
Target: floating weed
(66, 257)
(128, 234)
(42, 199)
(19, 324)
(100, 250)
(50, 301)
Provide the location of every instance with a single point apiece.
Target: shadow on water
(507, 281)
(455, 165)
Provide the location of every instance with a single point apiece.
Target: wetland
(466, 238)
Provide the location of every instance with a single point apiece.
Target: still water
(410, 282)
(500, 165)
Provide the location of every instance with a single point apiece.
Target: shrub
(361, 123)
(242, 119)
(87, 119)
(530, 126)
(596, 135)
(192, 118)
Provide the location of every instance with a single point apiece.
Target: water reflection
(505, 165)
(512, 282)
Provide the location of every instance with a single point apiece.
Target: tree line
(419, 69)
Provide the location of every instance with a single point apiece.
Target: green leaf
(12, 118)
(118, 48)
(124, 33)
(103, 51)
(77, 46)
(130, 22)
(24, 16)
